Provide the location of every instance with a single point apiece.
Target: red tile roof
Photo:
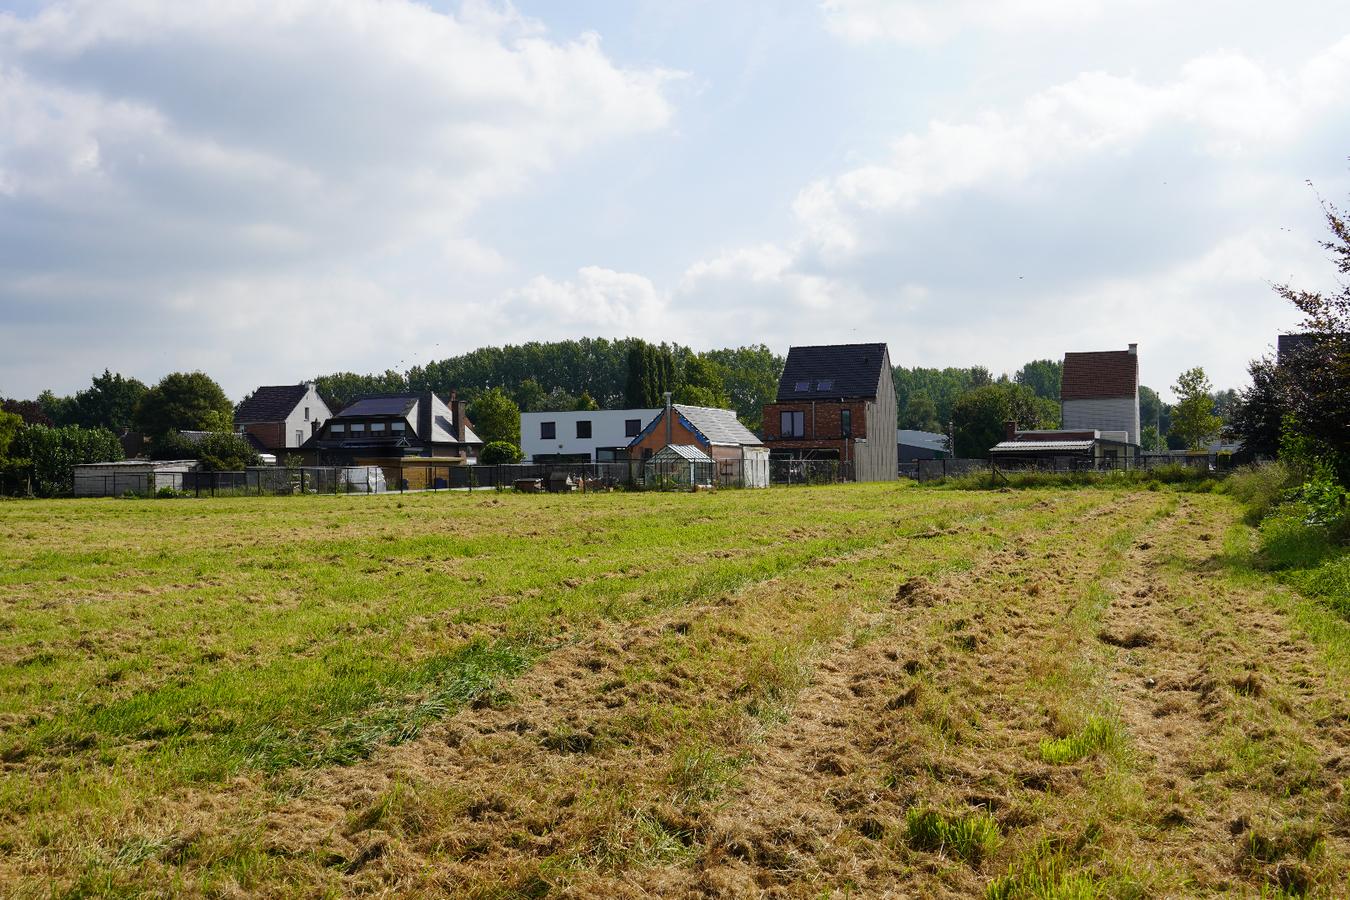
(1105, 373)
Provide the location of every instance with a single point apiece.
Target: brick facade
(822, 422)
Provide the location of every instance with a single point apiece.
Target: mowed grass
(196, 638)
(1017, 694)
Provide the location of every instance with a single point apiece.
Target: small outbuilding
(679, 466)
(140, 476)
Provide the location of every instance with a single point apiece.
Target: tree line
(583, 374)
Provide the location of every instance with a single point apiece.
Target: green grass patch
(971, 836)
(1101, 735)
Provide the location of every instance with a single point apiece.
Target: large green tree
(1193, 419)
(1043, 377)
(978, 416)
(110, 402)
(183, 401)
(495, 417)
(920, 414)
(1257, 416)
(750, 375)
(702, 383)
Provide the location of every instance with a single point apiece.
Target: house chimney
(669, 411)
(1134, 349)
(460, 408)
(1010, 430)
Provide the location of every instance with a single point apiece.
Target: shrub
(47, 456)
(219, 451)
(1260, 488)
(499, 453)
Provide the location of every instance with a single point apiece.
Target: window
(584, 429)
(376, 428)
(299, 438)
(338, 428)
(632, 427)
(845, 422)
(803, 385)
(306, 413)
(793, 424)
(824, 385)
(359, 428)
(397, 427)
(548, 431)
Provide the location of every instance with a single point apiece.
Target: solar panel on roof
(378, 406)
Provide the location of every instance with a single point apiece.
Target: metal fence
(553, 477)
(933, 469)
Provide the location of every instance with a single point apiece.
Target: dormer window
(338, 428)
(396, 427)
(803, 386)
(359, 428)
(824, 385)
(377, 428)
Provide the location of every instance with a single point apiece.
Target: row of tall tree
(591, 373)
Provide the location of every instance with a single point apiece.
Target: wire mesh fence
(757, 472)
(934, 469)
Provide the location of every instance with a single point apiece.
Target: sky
(270, 190)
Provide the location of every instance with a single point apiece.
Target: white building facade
(597, 435)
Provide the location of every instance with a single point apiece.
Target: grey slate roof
(719, 426)
(272, 403)
(852, 370)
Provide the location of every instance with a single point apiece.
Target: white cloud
(931, 22)
(599, 300)
(1226, 104)
(161, 151)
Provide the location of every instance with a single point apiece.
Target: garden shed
(677, 466)
(140, 476)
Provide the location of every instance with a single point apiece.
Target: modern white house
(1100, 392)
(597, 435)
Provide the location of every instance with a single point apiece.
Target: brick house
(836, 402)
(394, 429)
(278, 419)
(738, 454)
(1100, 392)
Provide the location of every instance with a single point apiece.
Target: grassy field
(864, 690)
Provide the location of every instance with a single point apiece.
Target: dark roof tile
(272, 403)
(850, 370)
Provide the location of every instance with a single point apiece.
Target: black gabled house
(837, 402)
(388, 429)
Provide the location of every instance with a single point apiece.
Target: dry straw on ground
(1018, 695)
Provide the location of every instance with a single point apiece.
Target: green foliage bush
(499, 453)
(46, 456)
(219, 451)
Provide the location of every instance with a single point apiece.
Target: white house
(597, 435)
(277, 418)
